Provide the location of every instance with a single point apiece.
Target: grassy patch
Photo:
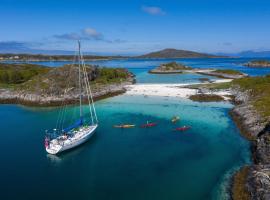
(217, 86)
(239, 191)
(259, 88)
(20, 73)
(170, 67)
(228, 71)
(175, 66)
(206, 98)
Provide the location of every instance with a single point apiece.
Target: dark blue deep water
(155, 163)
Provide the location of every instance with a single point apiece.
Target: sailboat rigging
(61, 139)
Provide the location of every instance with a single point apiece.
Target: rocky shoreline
(258, 63)
(220, 75)
(256, 177)
(252, 181)
(178, 68)
(36, 85)
(8, 96)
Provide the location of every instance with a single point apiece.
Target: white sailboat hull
(82, 135)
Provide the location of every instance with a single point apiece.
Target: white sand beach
(172, 90)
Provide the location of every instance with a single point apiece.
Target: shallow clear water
(154, 163)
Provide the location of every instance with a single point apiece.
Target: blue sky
(134, 27)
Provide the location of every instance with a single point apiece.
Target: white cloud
(91, 34)
(152, 10)
(87, 34)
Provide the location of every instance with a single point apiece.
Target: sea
(137, 163)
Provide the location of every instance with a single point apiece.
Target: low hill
(38, 85)
(175, 53)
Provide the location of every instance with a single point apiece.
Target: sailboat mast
(80, 85)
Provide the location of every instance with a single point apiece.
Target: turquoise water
(156, 163)
(140, 65)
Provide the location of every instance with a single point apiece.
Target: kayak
(124, 126)
(175, 119)
(183, 128)
(148, 125)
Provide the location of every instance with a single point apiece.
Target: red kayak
(183, 128)
(148, 125)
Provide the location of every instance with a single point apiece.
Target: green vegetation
(45, 80)
(111, 75)
(206, 98)
(239, 191)
(213, 86)
(19, 73)
(174, 66)
(228, 71)
(170, 68)
(259, 88)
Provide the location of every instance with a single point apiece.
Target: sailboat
(81, 130)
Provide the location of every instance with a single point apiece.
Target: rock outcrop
(61, 84)
(257, 129)
(258, 63)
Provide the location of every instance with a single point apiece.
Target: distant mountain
(248, 54)
(175, 53)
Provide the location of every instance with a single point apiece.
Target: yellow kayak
(124, 126)
(175, 119)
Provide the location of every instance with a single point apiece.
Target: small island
(170, 68)
(31, 84)
(179, 68)
(258, 64)
(223, 73)
(206, 98)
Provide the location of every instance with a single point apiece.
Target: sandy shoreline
(172, 90)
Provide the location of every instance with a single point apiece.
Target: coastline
(37, 100)
(174, 90)
(208, 72)
(59, 102)
(252, 181)
(248, 122)
(60, 60)
(249, 182)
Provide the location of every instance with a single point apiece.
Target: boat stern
(53, 149)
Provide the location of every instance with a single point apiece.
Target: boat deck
(64, 142)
